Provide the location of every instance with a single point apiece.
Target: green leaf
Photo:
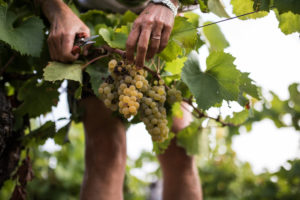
(247, 86)
(219, 82)
(287, 5)
(94, 17)
(190, 138)
(203, 5)
(262, 5)
(295, 96)
(128, 17)
(215, 37)
(175, 66)
(56, 71)
(161, 147)
(61, 137)
(289, 22)
(193, 18)
(37, 98)
(184, 33)
(171, 52)
(241, 7)
(177, 110)
(238, 118)
(26, 37)
(114, 39)
(182, 39)
(40, 135)
(97, 74)
(217, 7)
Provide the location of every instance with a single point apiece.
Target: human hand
(64, 27)
(154, 23)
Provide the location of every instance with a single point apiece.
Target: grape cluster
(174, 95)
(128, 91)
(123, 88)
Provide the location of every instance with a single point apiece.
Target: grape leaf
(287, 5)
(38, 98)
(295, 96)
(238, 118)
(177, 110)
(241, 7)
(40, 135)
(26, 38)
(203, 5)
(61, 137)
(219, 82)
(97, 74)
(215, 37)
(183, 37)
(184, 33)
(94, 17)
(171, 52)
(262, 5)
(289, 22)
(56, 71)
(193, 18)
(190, 138)
(217, 7)
(247, 86)
(128, 17)
(176, 65)
(114, 39)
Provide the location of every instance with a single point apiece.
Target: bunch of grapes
(127, 90)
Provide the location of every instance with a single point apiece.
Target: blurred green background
(58, 175)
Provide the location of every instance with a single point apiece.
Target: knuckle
(149, 22)
(142, 48)
(136, 24)
(159, 22)
(168, 26)
(129, 45)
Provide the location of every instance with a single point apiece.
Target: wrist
(52, 8)
(171, 4)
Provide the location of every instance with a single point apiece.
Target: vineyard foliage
(32, 81)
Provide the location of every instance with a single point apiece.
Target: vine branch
(202, 114)
(11, 59)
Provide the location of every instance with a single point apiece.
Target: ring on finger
(156, 37)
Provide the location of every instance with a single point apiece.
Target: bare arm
(64, 27)
(154, 24)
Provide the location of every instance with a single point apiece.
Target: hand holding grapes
(154, 23)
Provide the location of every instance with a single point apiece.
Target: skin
(105, 138)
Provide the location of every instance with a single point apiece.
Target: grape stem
(202, 114)
(93, 60)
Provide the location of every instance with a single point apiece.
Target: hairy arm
(150, 32)
(64, 27)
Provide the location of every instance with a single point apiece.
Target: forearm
(51, 8)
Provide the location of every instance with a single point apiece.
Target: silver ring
(156, 37)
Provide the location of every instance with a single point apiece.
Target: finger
(66, 46)
(51, 48)
(165, 35)
(131, 42)
(86, 49)
(155, 40)
(143, 45)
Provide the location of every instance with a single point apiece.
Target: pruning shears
(81, 40)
